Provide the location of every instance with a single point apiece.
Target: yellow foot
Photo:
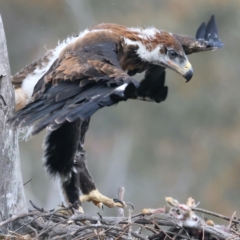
(98, 199)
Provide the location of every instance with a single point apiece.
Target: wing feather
(153, 84)
(79, 83)
(206, 38)
(200, 34)
(211, 28)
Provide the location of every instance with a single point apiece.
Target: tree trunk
(12, 198)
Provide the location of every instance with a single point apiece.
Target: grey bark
(12, 198)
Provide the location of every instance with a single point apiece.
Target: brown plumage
(160, 37)
(72, 66)
(92, 71)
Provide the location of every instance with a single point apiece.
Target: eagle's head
(160, 48)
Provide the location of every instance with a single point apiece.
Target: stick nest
(173, 221)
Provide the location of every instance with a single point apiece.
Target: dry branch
(173, 221)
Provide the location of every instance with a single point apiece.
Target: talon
(119, 201)
(99, 200)
(99, 205)
(129, 203)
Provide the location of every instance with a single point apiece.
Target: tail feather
(87, 110)
(47, 121)
(31, 118)
(54, 108)
(84, 110)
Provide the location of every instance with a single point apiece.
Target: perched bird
(94, 69)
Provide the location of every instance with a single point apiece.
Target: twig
(124, 231)
(173, 224)
(120, 196)
(27, 182)
(54, 225)
(108, 228)
(50, 218)
(231, 220)
(129, 221)
(34, 206)
(215, 214)
(161, 230)
(13, 218)
(33, 229)
(27, 224)
(203, 231)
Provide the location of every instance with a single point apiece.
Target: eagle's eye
(172, 54)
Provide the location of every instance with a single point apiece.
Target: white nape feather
(152, 56)
(146, 33)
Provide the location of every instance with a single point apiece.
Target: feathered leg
(86, 182)
(61, 146)
(87, 186)
(65, 159)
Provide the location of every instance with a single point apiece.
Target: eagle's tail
(67, 101)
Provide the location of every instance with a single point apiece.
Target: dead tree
(12, 198)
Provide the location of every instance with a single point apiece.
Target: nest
(173, 221)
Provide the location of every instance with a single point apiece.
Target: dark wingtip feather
(209, 33)
(211, 28)
(201, 31)
(212, 33)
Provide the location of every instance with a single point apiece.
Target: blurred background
(188, 145)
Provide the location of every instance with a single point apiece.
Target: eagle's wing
(206, 38)
(77, 85)
(152, 87)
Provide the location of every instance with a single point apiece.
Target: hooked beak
(185, 70)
